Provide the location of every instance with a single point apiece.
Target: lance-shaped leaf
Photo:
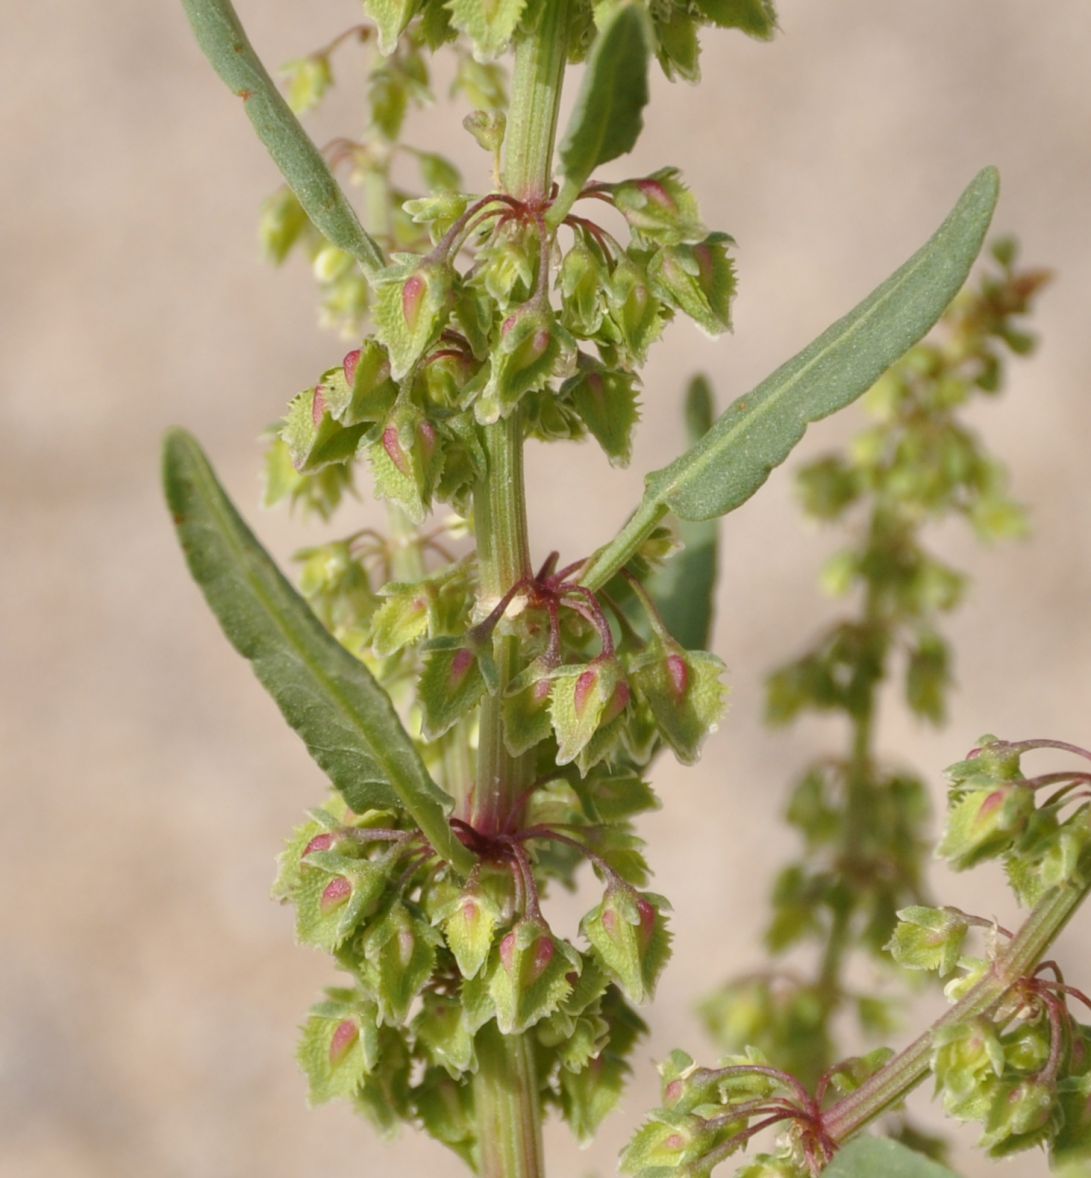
(684, 590)
(868, 1156)
(758, 431)
(329, 697)
(224, 42)
(608, 115)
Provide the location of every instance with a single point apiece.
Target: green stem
(503, 558)
(507, 1100)
(613, 557)
(859, 785)
(506, 1096)
(858, 791)
(904, 1072)
(535, 99)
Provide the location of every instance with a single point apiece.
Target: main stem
(506, 1092)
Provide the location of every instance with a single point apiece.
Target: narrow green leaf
(224, 42)
(608, 115)
(867, 1157)
(329, 697)
(759, 430)
(684, 589)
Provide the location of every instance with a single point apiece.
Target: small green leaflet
(329, 697)
(869, 1157)
(390, 17)
(224, 42)
(758, 431)
(756, 18)
(608, 115)
(489, 24)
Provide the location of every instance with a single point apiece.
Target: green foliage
(684, 589)
(487, 729)
(758, 430)
(628, 935)
(608, 115)
(343, 716)
(227, 47)
(869, 1156)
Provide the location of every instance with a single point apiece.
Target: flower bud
(1019, 1109)
(469, 927)
(314, 438)
(406, 459)
(411, 309)
(283, 222)
(660, 208)
(529, 348)
(399, 953)
(583, 278)
(607, 403)
(698, 280)
(967, 1060)
(365, 392)
(580, 701)
(331, 263)
(508, 265)
(684, 692)
(530, 977)
(526, 708)
(628, 935)
(451, 683)
(447, 375)
(487, 128)
(985, 823)
(308, 79)
(635, 312)
(339, 1046)
(670, 1141)
(929, 938)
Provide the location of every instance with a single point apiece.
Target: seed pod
(629, 936)
(530, 975)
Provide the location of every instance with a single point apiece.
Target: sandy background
(150, 990)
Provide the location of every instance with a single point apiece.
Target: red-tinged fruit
(337, 892)
(344, 1037)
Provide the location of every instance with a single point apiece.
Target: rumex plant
(487, 722)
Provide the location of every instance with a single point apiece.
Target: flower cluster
(489, 309)
(1009, 1054)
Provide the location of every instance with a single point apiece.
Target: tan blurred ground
(150, 991)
